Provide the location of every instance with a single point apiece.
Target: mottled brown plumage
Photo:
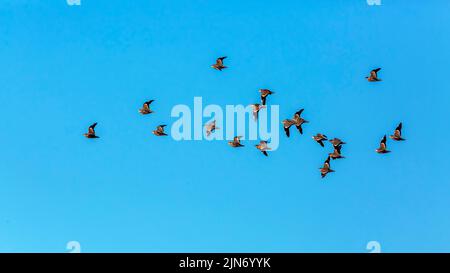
(374, 75)
(211, 128)
(336, 154)
(256, 108)
(145, 110)
(397, 136)
(159, 131)
(264, 94)
(326, 168)
(91, 131)
(262, 146)
(287, 123)
(383, 148)
(299, 121)
(236, 142)
(336, 142)
(319, 138)
(219, 64)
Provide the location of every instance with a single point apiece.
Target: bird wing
(265, 153)
(383, 143)
(160, 128)
(300, 129)
(91, 128)
(326, 164)
(373, 73)
(286, 130)
(398, 130)
(263, 99)
(219, 61)
(298, 113)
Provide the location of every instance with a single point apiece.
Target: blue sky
(65, 67)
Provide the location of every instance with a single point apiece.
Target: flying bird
(374, 75)
(264, 94)
(299, 121)
(397, 136)
(262, 146)
(211, 127)
(337, 153)
(326, 168)
(219, 64)
(91, 131)
(336, 142)
(319, 138)
(146, 108)
(382, 149)
(160, 131)
(287, 123)
(256, 107)
(236, 142)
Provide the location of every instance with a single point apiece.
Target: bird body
(336, 142)
(236, 142)
(299, 121)
(319, 138)
(219, 64)
(374, 75)
(256, 108)
(397, 136)
(287, 123)
(211, 128)
(264, 94)
(336, 154)
(262, 146)
(382, 149)
(159, 131)
(145, 110)
(326, 168)
(91, 132)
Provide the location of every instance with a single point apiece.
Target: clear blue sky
(64, 67)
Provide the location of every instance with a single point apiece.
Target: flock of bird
(297, 120)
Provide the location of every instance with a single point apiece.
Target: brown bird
(159, 131)
(319, 138)
(337, 142)
(236, 142)
(219, 64)
(256, 107)
(299, 121)
(262, 146)
(146, 108)
(326, 168)
(211, 128)
(91, 131)
(287, 123)
(374, 75)
(264, 94)
(382, 149)
(337, 153)
(397, 136)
